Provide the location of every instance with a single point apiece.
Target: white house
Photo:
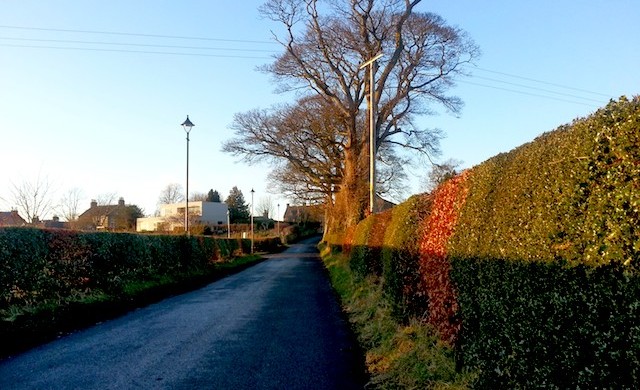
(172, 216)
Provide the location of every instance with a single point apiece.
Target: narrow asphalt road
(276, 325)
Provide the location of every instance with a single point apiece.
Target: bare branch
(33, 199)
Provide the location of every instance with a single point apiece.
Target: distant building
(53, 223)
(172, 216)
(315, 213)
(11, 218)
(298, 214)
(118, 217)
(383, 204)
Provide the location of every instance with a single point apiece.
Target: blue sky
(108, 120)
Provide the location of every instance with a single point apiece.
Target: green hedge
(544, 325)
(402, 284)
(39, 266)
(544, 255)
(364, 259)
(571, 195)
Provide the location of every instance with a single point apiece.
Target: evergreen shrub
(54, 266)
(535, 259)
(400, 258)
(546, 254)
(363, 258)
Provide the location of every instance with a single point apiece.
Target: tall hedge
(571, 195)
(366, 248)
(533, 255)
(39, 266)
(546, 325)
(545, 258)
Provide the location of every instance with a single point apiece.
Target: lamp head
(187, 125)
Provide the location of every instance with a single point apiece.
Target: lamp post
(372, 130)
(187, 126)
(228, 224)
(278, 220)
(252, 192)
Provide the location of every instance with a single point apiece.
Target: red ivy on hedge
(434, 267)
(347, 244)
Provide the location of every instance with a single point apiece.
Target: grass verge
(25, 327)
(408, 356)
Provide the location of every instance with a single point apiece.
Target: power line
(134, 34)
(527, 93)
(132, 44)
(182, 47)
(537, 89)
(541, 82)
(130, 51)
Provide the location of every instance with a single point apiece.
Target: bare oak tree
(69, 203)
(172, 193)
(106, 199)
(33, 199)
(324, 43)
(303, 141)
(440, 173)
(265, 206)
(197, 197)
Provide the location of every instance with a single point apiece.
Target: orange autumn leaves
(434, 266)
(374, 238)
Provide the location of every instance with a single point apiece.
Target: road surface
(276, 325)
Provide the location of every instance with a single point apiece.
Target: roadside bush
(362, 259)
(229, 246)
(534, 255)
(299, 231)
(400, 259)
(571, 195)
(435, 268)
(545, 258)
(54, 266)
(23, 266)
(67, 259)
(270, 244)
(544, 325)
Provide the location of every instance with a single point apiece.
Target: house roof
(383, 204)
(300, 213)
(109, 209)
(116, 216)
(11, 218)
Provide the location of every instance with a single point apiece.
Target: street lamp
(187, 126)
(228, 224)
(278, 220)
(252, 192)
(372, 130)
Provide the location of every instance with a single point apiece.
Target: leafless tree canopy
(325, 43)
(69, 203)
(305, 143)
(106, 199)
(172, 193)
(323, 53)
(440, 173)
(33, 199)
(197, 197)
(265, 206)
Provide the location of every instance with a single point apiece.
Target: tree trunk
(352, 198)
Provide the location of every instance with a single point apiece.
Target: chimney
(56, 218)
(94, 203)
(121, 201)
